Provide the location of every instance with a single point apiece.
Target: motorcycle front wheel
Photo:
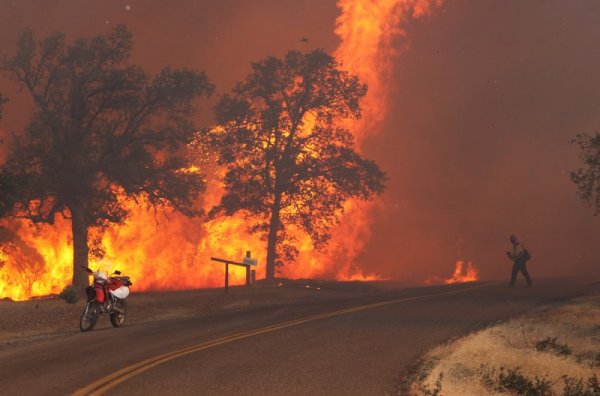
(117, 317)
(90, 315)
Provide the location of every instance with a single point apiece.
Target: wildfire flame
(368, 30)
(165, 250)
(462, 273)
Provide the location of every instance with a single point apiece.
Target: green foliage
(513, 381)
(577, 387)
(288, 162)
(550, 344)
(70, 294)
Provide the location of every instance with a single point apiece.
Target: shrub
(488, 376)
(437, 390)
(549, 344)
(514, 382)
(422, 375)
(70, 294)
(576, 386)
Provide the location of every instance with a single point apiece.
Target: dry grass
(464, 364)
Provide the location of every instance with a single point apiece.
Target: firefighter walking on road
(519, 256)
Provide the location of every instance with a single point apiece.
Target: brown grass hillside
(553, 351)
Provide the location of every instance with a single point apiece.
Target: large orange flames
(166, 250)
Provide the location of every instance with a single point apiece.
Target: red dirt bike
(106, 295)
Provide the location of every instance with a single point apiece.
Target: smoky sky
(477, 144)
(485, 97)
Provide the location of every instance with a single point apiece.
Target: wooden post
(250, 276)
(248, 282)
(253, 276)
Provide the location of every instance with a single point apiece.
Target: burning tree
(7, 184)
(102, 131)
(289, 164)
(588, 179)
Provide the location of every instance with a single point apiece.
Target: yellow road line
(110, 381)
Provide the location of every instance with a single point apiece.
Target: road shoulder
(29, 322)
(552, 350)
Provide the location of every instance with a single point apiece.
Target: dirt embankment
(27, 321)
(552, 351)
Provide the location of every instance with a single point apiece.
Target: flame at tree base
(159, 250)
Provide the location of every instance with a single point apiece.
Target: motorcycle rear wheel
(118, 318)
(90, 315)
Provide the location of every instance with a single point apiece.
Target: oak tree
(288, 160)
(102, 131)
(7, 184)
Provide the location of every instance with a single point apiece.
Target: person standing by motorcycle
(519, 255)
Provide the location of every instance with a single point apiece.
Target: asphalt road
(360, 346)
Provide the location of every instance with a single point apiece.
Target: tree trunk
(272, 240)
(79, 227)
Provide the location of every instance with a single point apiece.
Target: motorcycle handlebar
(127, 281)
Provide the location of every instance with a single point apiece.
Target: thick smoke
(476, 141)
(477, 145)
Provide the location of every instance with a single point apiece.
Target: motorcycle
(106, 295)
